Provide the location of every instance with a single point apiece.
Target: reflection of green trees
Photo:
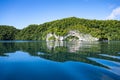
(62, 53)
(7, 48)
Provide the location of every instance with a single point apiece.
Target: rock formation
(80, 36)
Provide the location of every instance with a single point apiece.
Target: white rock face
(58, 38)
(81, 36)
(48, 36)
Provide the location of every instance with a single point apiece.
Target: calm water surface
(40, 60)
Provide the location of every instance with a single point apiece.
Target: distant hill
(101, 29)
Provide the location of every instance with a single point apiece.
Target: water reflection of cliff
(72, 46)
(64, 51)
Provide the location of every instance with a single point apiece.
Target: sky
(21, 13)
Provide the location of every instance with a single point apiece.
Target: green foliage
(7, 32)
(27, 33)
(102, 29)
(72, 38)
(52, 38)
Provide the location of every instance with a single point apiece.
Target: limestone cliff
(80, 36)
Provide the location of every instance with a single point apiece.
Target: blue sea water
(40, 60)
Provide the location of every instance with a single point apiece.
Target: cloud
(115, 14)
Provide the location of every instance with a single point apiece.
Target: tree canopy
(102, 29)
(8, 32)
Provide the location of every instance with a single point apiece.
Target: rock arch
(59, 38)
(73, 33)
(80, 36)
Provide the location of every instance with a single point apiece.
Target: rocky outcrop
(80, 36)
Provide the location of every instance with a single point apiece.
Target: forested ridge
(102, 29)
(8, 32)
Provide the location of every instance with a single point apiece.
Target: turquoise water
(40, 60)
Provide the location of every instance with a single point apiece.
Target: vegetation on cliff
(102, 29)
(8, 32)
